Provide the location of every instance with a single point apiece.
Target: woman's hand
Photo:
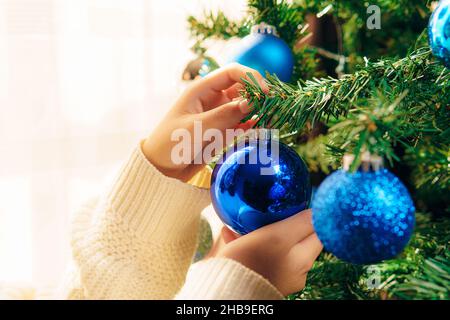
(282, 252)
(215, 102)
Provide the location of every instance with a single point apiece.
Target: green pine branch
(290, 18)
(383, 104)
(431, 166)
(433, 282)
(217, 26)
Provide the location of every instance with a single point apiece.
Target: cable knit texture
(138, 241)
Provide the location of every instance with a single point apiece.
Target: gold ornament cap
(202, 179)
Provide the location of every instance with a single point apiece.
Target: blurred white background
(81, 82)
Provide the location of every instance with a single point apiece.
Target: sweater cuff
(226, 279)
(155, 206)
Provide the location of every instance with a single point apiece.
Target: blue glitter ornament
(363, 217)
(439, 32)
(255, 185)
(264, 51)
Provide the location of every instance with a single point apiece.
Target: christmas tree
(364, 80)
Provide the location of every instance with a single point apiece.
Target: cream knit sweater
(137, 242)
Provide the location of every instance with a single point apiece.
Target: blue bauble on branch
(264, 51)
(208, 66)
(199, 67)
(439, 32)
(363, 217)
(254, 185)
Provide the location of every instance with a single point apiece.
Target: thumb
(228, 235)
(225, 237)
(226, 116)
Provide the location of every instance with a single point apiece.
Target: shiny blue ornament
(363, 217)
(262, 50)
(208, 66)
(245, 199)
(439, 32)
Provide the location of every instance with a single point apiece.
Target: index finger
(297, 227)
(307, 251)
(224, 78)
(293, 229)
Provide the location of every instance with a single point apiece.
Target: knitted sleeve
(226, 279)
(138, 241)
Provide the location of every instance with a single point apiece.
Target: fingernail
(244, 107)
